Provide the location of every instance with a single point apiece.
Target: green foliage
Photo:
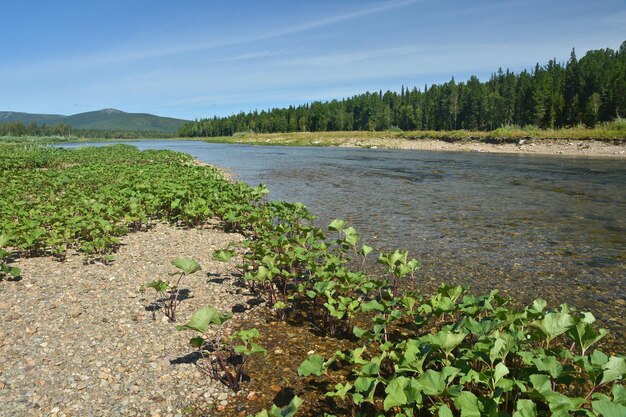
(204, 317)
(168, 293)
(477, 356)
(86, 199)
(288, 411)
(5, 269)
(449, 353)
(588, 91)
(187, 265)
(227, 357)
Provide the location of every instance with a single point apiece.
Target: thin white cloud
(249, 56)
(138, 53)
(617, 19)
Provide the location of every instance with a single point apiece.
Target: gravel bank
(77, 340)
(591, 148)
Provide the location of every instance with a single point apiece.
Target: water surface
(532, 226)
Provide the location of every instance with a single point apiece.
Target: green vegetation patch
(56, 199)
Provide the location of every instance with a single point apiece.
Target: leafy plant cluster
(447, 354)
(226, 359)
(456, 354)
(169, 294)
(227, 355)
(86, 199)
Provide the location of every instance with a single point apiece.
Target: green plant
(228, 356)
(5, 268)
(478, 356)
(169, 294)
(289, 410)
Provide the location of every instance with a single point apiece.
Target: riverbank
(477, 142)
(79, 339)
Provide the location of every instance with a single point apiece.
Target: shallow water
(532, 226)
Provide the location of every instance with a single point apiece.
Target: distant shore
(539, 147)
(460, 142)
(387, 140)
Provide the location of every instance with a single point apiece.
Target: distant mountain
(106, 119)
(27, 118)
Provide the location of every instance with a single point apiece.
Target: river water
(531, 226)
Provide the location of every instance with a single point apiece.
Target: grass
(610, 132)
(614, 131)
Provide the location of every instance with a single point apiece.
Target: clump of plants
(456, 354)
(447, 354)
(168, 294)
(6, 270)
(227, 356)
(86, 199)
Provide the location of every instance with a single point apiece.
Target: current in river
(531, 226)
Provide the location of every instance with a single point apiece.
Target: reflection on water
(532, 226)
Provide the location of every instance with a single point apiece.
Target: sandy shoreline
(537, 146)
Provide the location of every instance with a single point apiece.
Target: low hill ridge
(105, 119)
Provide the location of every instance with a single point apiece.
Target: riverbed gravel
(76, 339)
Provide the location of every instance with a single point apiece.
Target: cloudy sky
(193, 59)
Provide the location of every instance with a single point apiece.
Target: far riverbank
(390, 140)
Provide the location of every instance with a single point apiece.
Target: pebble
(101, 355)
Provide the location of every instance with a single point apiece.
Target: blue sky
(193, 59)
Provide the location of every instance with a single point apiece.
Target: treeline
(585, 91)
(19, 129)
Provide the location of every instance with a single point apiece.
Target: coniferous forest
(585, 91)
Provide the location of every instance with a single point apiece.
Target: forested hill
(589, 90)
(106, 119)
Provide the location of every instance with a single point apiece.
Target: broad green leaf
(500, 371)
(358, 332)
(525, 408)
(223, 255)
(158, 285)
(256, 348)
(549, 364)
(197, 342)
(364, 384)
(395, 393)
(351, 236)
(337, 225)
(202, 318)
(370, 368)
(539, 304)
(431, 382)
(554, 324)
(468, 404)
(313, 365)
(498, 350)
(619, 394)
(290, 410)
(584, 334)
(607, 408)
(446, 340)
(248, 334)
(444, 411)
(187, 265)
(541, 383)
(366, 250)
(372, 305)
(340, 390)
(614, 370)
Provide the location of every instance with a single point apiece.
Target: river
(531, 226)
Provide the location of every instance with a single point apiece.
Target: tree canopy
(555, 95)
